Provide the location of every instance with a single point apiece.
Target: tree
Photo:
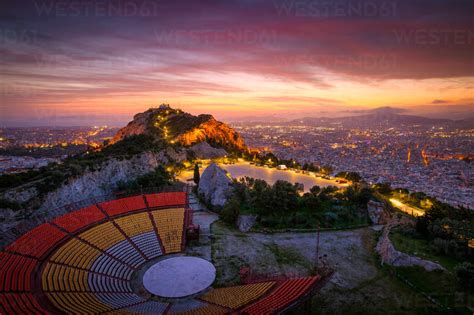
(231, 211)
(197, 176)
(326, 170)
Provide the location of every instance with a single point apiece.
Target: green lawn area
(439, 285)
(421, 248)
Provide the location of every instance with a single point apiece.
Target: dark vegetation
(50, 152)
(282, 205)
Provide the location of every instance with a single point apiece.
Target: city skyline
(77, 63)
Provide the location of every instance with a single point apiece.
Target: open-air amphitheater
(127, 256)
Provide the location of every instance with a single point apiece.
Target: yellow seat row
(205, 310)
(76, 253)
(237, 296)
(170, 225)
(78, 303)
(62, 278)
(135, 224)
(103, 236)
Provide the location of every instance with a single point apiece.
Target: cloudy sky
(101, 61)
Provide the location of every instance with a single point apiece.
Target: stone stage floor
(179, 277)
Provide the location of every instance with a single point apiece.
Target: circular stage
(179, 277)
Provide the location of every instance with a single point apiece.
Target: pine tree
(197, 176)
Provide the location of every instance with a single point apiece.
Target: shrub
(465, 275)
(231, 211)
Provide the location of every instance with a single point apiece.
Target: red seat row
(19, 303)
(15, 272)
(76, 220)
(166, 199)
(37, 241)
(284, 295)
(124, 205)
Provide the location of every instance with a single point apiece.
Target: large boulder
(376, 212)
(246, 222)
(204, 150)
(215, 186)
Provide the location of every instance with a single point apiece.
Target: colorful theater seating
(124, 205)
(102, 236)
(166, 199)
(76, 220)
(125, 252)
(89, 269)
(15, 272)
(284, 295)
(148, 243)
(77, 254)
(37, 241)
(169, 223)
(237, 296)
(135, 224)
(20, 303)
(206, 310)
(147, 308)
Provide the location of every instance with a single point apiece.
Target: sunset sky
(90, 62)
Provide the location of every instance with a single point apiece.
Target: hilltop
(180, 128)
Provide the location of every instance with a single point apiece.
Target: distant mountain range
(384, 117)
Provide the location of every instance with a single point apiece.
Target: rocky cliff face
(215, 132)
(103, 182)
(215, 186)
(391, 256)
(178, 127)
(137, 126)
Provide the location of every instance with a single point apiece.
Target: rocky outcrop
(376, 212)
(203, 150)
(246, 222)
(212, 130)
(215, 186)
(389, 255)
(137, 126)
(20, 195)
